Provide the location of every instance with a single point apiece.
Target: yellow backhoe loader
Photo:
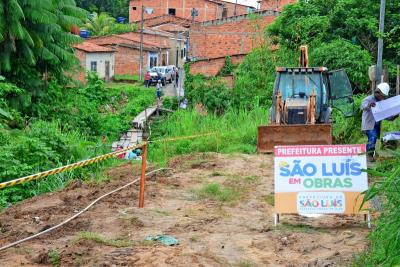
(303, 100)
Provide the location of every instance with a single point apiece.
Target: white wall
(101, 58)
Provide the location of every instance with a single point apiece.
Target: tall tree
(35, 38)
(340, 30)
(114, 7)
(104, 24)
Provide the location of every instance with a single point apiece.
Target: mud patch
(210, 232)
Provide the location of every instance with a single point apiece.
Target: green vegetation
(270, 199)
(35, 43)
(103, 24)
(126, 77)
(235, 131)
(215, 191)
(343, 34)
(54, 258)
(100, 239)
(69, 125)
(114, 7)
(228, 67)
(384, 240)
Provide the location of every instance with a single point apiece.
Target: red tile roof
(127, 38)
(93, 48)
(135, 37)
(170, 27)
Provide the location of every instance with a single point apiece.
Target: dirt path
(236, 232)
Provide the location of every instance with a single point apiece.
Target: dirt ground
(211, 232)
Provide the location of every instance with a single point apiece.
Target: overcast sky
(245, 2)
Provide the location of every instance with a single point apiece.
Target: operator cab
(298, 86)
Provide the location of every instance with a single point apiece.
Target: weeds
(384, 247)
(97, 238)
(61, 134)
(234, 131)
(270, 199)
(252, 179)
(54, 257)
(215, 191)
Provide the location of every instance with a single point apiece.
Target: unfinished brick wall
(275, 4)
(161, 20)
(231, 36)
(207, 10)
(80, 72)
(212, 67)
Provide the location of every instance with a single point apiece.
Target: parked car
(155, 76)
(163, 73)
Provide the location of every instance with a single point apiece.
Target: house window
(134, 8)
(172, 11)
(224, 12)
(93, 66)
(153, 59)
(182, 53)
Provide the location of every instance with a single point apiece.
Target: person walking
(147, 79)
(159, 86)
(370, 127)
(177, 76)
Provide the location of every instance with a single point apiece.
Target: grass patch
(100, 239)
(54, 257)
(252, 179)
(235, 131)
(270, 199)
(162, 212)
(245, 264)
(215, 191)
(126, 77)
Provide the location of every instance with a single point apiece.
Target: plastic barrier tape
(67, 167)
(89, 161)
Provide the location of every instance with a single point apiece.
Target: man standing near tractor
(369, 126)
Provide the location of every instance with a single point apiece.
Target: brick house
(96, 58)
(207, 9)
(176, 43)
(127, 52)
(212, 40)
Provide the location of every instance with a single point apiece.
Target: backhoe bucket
(295, 134)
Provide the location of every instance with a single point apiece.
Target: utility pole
(380, 42)
(149, 11)
(141, 47)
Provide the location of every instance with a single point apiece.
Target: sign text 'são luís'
(320, 179)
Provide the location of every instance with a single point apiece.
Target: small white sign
(386, 108)
(320, 202)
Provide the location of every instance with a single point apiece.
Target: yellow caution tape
(89, 161)
(67, 167)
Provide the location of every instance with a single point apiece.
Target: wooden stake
(143, 176)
